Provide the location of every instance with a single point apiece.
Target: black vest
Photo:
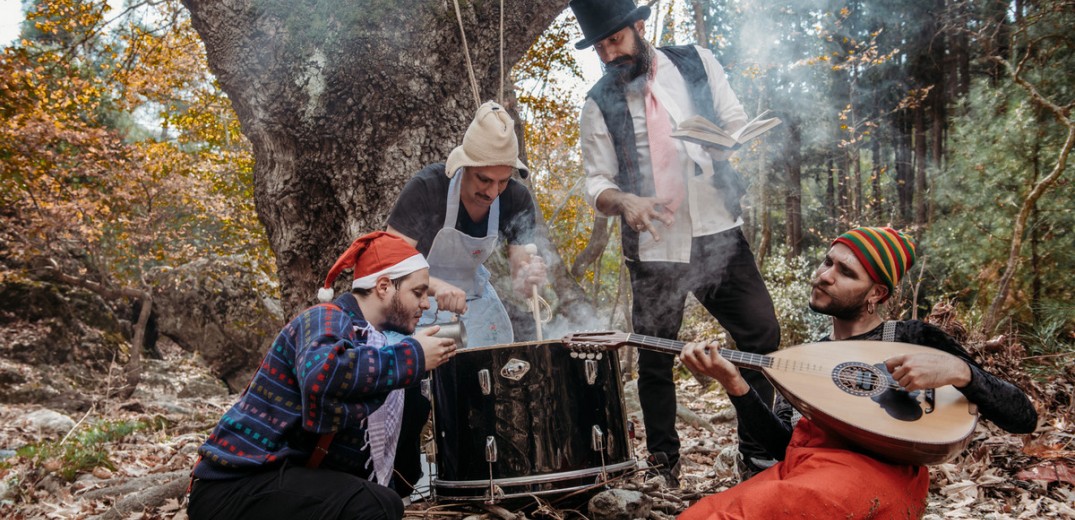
(612, 100)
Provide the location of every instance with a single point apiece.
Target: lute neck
(671, 346)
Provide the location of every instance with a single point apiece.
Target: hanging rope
(470, 66)
(466, 51)
(500, 90)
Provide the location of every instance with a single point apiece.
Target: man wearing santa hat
(314, 433)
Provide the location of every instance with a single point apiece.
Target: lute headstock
(595, 341)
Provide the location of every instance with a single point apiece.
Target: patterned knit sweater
(327, 371)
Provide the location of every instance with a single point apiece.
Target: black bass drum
(513, 421)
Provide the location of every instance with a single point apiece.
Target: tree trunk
(876, 204)
(840, 96)
(904, 170)
(938, 97)
(830, 194)
(999, 42)
(132, 372)
(855, 190)
(343, 104)
(843, 192)
(765, 214)
(793, 204)
(921, 206)
(701, 31)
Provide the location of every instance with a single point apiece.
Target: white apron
(457, 258)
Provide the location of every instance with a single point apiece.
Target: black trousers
(724, 277)
(408, 465)
(292, 493)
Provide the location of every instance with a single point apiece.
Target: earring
(871, 307)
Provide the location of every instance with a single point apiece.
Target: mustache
(627, 69)
(623, 68)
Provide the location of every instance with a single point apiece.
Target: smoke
(585, 320)
(582, 317)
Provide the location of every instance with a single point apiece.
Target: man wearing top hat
(456, 215)
(678, 204)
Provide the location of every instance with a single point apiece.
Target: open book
(700, 130)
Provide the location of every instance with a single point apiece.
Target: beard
(398, 319)
(626, 69)
(847, 309)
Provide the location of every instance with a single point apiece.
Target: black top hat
(599, 19)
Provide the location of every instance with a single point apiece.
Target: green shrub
(82, 452)
(788, 280)
(1050, 340)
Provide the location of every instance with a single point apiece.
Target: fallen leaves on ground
(1000, 476)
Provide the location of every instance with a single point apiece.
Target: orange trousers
(820, 478)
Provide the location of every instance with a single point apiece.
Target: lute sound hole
(859, 379)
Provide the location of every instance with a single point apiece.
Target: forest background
(157, 187)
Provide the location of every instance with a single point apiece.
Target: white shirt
(702, 212)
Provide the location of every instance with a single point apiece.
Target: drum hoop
(537, 479)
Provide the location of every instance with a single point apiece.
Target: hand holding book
(698, 129)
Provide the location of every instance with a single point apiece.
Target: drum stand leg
(597, 441)
(490, 457)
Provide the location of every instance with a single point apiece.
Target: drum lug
(597, 438)
(591, 371)
(485, 381)
(514, 369)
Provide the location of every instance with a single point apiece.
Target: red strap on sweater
(323, 442)
(320, 450)
(190, 485)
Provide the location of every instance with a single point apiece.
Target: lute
(844, 387)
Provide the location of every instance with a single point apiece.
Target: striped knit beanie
(372, 256)
(886, 253)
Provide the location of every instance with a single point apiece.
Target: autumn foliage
(116, 147)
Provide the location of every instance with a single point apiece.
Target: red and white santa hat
(373, 256)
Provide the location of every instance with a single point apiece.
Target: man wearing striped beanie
(820, 475)
(885, 254)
